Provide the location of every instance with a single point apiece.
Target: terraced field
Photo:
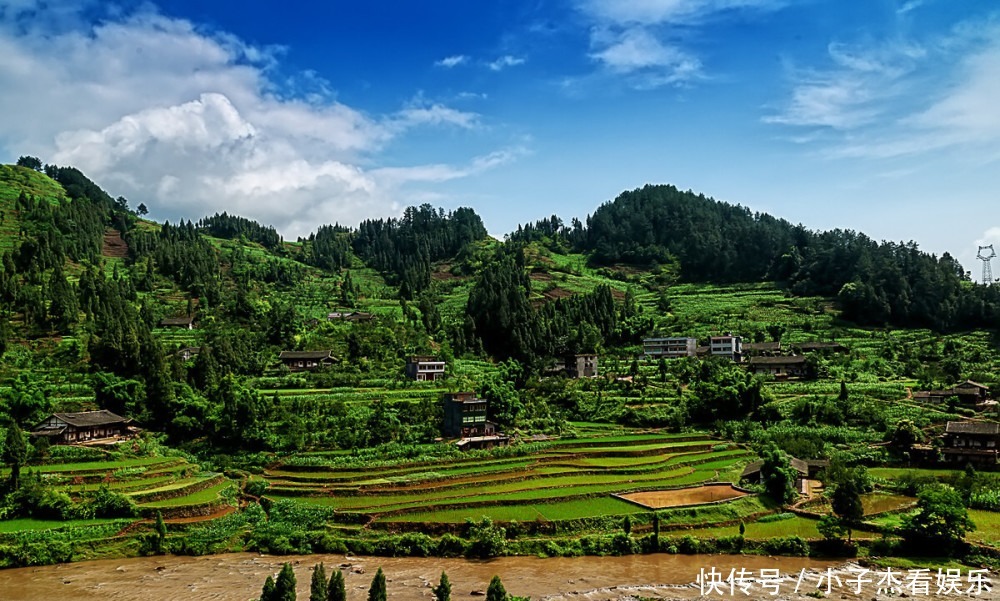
(561, 480)
(171, 485)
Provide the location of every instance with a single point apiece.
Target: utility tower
(986, 254)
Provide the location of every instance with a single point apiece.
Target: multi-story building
(727, 345)
(465, 416)
(424, 368)
(673, 346)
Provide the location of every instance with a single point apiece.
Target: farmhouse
(465, 416)
(968, 393)
(581, 366)
(971, 442)
(424, 368)
(762, 348)
(779, 367)
(751, 473)
(808, 347)
(186, 323)
(68, 428)
(306, 360)
(727, 345)
(188, 352)
(674, 346)
(352, 316)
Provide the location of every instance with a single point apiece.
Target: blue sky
(876, 115)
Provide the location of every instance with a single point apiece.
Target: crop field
(168, 484)
(561, 480)
(659, 499)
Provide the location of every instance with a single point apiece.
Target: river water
(239, 577)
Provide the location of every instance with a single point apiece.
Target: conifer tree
(318, 588)
(337, 590)
(284, 586)
(267, 594)
(377, 590)
(442, 592)
(496, 591)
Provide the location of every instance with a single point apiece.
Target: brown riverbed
(238, 577)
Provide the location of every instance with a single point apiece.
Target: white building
(675, 346)
(728, 346)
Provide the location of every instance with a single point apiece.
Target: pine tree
(318, 588)
(377, 590)
(267, 594)
(15, 451)
(442, 592)
(496, 591)
(284, 586)
(337, 591)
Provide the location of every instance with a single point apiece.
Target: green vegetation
(239, 451)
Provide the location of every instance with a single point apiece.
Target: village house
(751, 473)
(779, 367)
(70, 428)
(581, 366)
(424, 368)
(972, 442)
(351, 316)
(188, 352)
(968, 393)
(465, 416)
(762, 348)
(809, 347)
(306, 360)
(673, 346)
(728, 346)
(186, 323)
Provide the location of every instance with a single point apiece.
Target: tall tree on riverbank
(284, 587)
(337, 590)
(496, 590)
(318, 587)
(377, 590)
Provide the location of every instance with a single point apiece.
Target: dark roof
(177, 321)
(971, 384)
(194, 350)
(800, 466)
(424, 359)
(762, 346)
(819, 346)
(91, 418)
(794, 360)
(969, 427)
(292, 355)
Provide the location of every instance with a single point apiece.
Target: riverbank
(239, 577)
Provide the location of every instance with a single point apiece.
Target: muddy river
(239, 577)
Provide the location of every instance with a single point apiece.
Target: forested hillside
(705, 240)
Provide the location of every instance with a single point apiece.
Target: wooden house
(972, 442)
(186, 323)
(188, 352)
(306, 360)
(424, 368)
(69, 428)
(968, 393)
(779, 367)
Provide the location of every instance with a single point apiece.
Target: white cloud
(906, 99)
(505, 61)
(452, 61)
(191, 122)
(628, 37)
(638, 50)
(648, 12)
(853, 92)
